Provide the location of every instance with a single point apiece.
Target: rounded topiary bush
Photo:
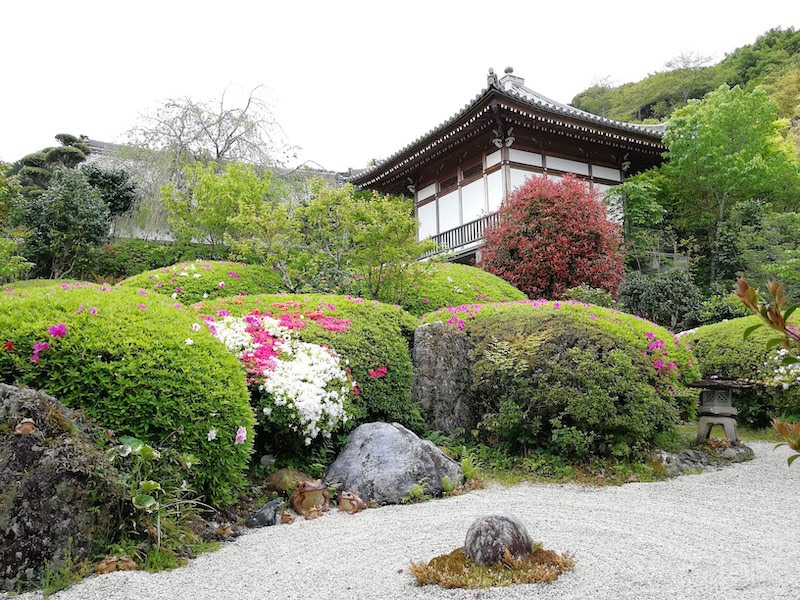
(448, 284)
(573, 378)
(136, 364)
(373, 340)
(203, 279)
(721, 350)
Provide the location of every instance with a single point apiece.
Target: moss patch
(455, 570)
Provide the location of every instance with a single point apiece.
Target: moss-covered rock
(60, 499)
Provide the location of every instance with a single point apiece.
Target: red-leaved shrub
(554, 235)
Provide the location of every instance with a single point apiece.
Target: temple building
(459, 172)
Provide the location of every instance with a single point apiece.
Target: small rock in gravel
(488, 537)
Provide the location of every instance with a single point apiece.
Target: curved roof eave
(526, 96)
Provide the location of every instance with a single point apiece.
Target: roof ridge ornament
(491, 78)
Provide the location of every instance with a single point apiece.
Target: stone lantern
(716, 406)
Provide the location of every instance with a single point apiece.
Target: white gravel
(728, 534)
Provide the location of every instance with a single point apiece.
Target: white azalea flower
(195, 326)
(188, 341)
(212, 434)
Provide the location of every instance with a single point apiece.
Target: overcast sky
(347, 80)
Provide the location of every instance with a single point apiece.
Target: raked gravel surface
(732, 534)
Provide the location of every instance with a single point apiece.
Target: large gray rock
(488, 537)
(443, 377)
(382, 461)
(59, 496)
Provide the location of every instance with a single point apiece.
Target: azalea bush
(139, 364)
(575, 379)
(318, 362)
(437, 285)
(552, 236)
(297, 385)
(189, 282)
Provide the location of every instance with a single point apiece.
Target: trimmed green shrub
(590, 295)
(200, 280)
(722, 350)
(572, 378)
(716, 308)
(665, 298)
(136, 365)
(449, 284)
(378, 335)
(112, 262)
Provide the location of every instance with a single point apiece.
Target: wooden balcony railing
(465, 234)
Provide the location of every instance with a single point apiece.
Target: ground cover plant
(349, 362)
(456, 570)
(140, 365)
(448, 284)
(721, 350)
(574, 379)
(199, 280)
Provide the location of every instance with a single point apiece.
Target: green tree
(65, 221)
(338, 240)
(724, 150)
(36, 169)
(12, 265)
(204, 208)
(115, 186)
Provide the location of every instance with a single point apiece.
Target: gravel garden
(199, 433)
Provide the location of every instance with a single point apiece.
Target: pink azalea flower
(241, 435)
(377, 373)
(93, 310)
(80, 309)
(142, 293)
(426, 300)
(58, 331)
(659, 364)
(37, 349)
(141, 307)
(234, 274)
(650, 335)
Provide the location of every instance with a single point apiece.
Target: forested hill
(772, 61)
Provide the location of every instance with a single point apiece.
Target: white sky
(348, 80)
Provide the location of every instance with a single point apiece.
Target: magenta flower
(58, 331)
(81, 308)
(223, 313)
(650, 335)
(221, 285)
(241, 435)
(142, 293)
(37, 349)
(141, 307)
(426, 300)
(93, 310)
(377, 373)
(659, 364)
(234, 274)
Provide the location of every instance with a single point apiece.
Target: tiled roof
(513, 87)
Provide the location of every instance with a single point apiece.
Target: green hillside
(772, 61)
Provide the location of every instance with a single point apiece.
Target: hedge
(378, 335)
(721, 350)
(112, 262)
(449, 284)
(134, 363)
(574, 378)
(195, 281)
